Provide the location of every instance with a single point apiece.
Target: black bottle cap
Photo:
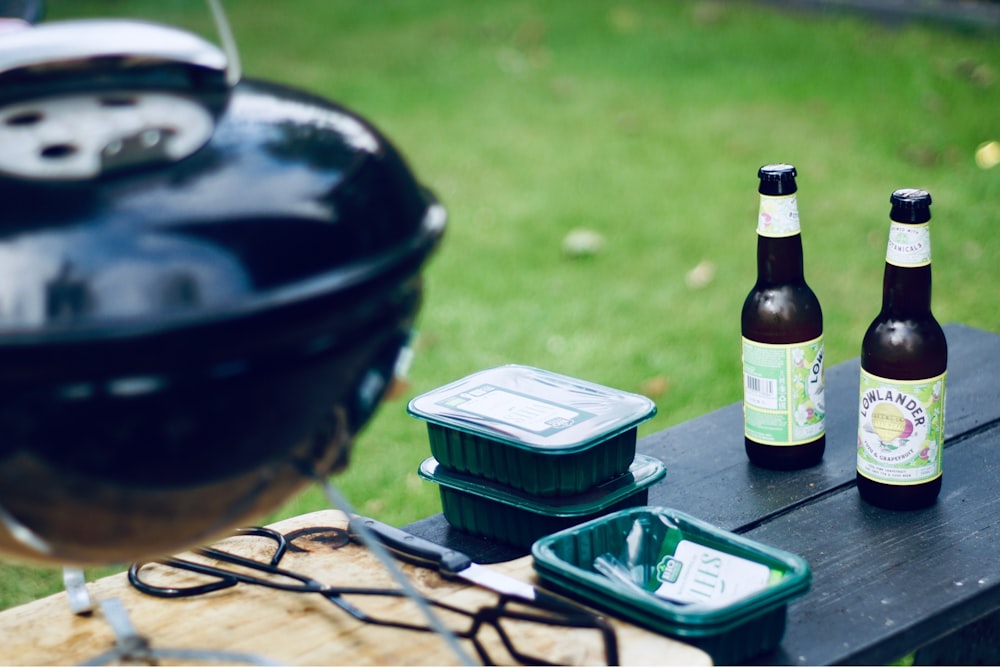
(777, 179)
(910, 205)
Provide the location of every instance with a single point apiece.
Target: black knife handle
(412, 548)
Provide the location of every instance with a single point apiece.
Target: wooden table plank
(885, 582)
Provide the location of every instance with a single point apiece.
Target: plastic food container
(533, 430)
(675, 574)
(499, 512)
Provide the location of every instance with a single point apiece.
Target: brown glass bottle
(904, 360)
(782, 323)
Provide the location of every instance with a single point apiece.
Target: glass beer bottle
(784, 411)
(904, 359)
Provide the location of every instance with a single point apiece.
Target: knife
(453, 564)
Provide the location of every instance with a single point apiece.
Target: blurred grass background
(642, 122)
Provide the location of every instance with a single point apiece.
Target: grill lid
(140, 189)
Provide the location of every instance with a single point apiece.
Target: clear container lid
(533, 408)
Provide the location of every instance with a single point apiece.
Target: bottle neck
(906, 291)
(906, 285)
(779, 243)
(779, 260)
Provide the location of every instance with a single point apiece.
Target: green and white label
(696, 573)
(900, 429)
(778, 216)
(909, 245)
(511, 408)
(783, 392)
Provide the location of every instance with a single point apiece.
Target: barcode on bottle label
(761, 391)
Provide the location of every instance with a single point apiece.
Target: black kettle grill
(204, 288)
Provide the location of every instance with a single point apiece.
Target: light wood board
(296, 628)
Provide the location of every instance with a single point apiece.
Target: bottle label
(783, 392)
(900, 429)
(778, 216)
(909, 245)
(695, 573)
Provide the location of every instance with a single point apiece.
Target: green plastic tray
(533, 430)
(515, 517)
(730, 633)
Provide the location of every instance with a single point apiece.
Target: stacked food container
(519, 452)
(548, 463)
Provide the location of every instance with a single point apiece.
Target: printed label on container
(900, 429)
(909, 245)
(695, 573)
(778, 216)
(783, 392)
(542, 417)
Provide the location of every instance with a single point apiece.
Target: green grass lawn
(644, 121)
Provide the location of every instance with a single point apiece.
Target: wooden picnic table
(885, 583)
